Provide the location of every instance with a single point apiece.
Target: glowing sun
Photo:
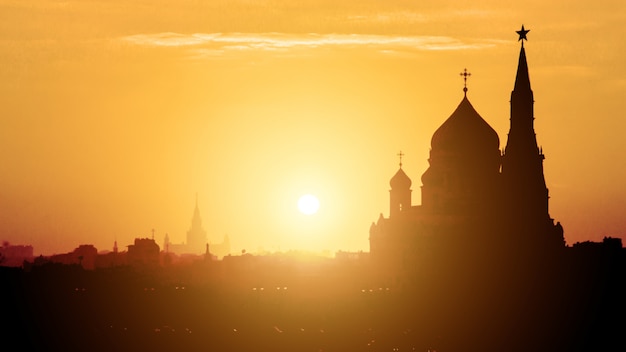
(308, 204)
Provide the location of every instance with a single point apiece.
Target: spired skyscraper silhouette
(478, 202)
(197, 240)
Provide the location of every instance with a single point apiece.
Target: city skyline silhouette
(466, 133)
(479, 264)
(115, 116)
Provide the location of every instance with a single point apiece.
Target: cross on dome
(400, 155)
(465, 74)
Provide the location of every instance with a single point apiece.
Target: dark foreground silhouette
(572, 303)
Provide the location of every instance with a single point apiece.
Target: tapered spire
(522, 141)
(522, 162)
(522, 80)
(196, 222)
(196, 236)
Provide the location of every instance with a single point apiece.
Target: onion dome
(400, 180)
(428, 177)
(465, 131)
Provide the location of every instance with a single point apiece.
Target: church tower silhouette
(400, 193)
(477, 201)
(464, 164)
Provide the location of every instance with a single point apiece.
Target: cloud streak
(281, 41)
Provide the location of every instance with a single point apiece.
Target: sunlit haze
(308, 204)
(115, 115)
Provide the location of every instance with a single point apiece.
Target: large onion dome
(465, 131)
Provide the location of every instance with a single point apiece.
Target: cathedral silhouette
(478, 202)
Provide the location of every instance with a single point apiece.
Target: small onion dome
(465, 131)
(429, 177)
(400, 180)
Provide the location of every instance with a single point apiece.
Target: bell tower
(400, 193)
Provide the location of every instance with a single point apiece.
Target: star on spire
(522, 34)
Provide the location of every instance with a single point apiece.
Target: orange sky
(115, 114)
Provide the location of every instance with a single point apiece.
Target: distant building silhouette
(197, 240)
(476, 200)
(84, 255)
(109, 259)
(15, 255)
(196, 236)
(222, 249)
(143, 253)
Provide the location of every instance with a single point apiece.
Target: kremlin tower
(476, 200)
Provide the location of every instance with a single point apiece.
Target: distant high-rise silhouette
(196, 236)
(197, 240)
(474, 197)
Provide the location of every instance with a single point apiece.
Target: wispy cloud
(279, 41)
